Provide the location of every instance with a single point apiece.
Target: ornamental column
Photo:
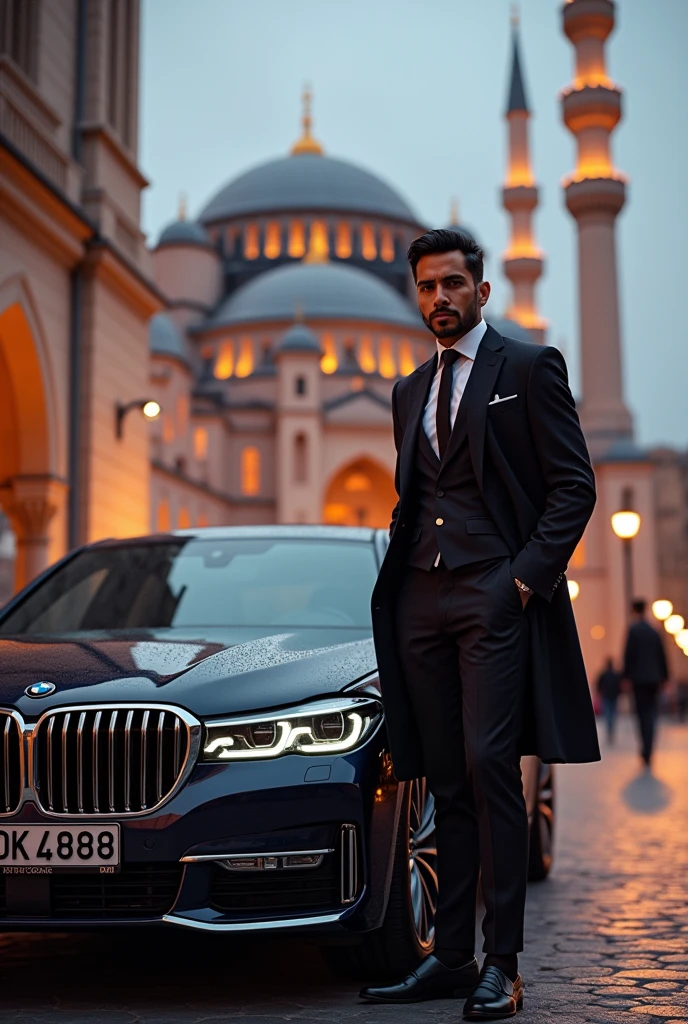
(595, 194)
(522, 260)
(30, 502)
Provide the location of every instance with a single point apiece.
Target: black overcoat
(532, 465)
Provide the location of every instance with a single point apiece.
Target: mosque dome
(320, 291)
(183, 232)
(299, 338)
(165, 338)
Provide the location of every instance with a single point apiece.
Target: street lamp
(625, 525)
(148, 406)
(662, 609)
(681, 639)
(574, 589)
(674, 624)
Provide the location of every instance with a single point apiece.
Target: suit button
(439, 494)
(439, 522)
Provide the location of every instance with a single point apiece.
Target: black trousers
(460, 634)
(646, 708)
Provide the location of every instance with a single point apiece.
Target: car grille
(109, 760)
(139, 890)
(10, 763)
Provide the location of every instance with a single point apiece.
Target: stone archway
(31, 491)
(361, 493)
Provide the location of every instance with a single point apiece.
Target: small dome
(321, 291)
(183, 232)
(165, 338)
(623, 449)
(299, 338)
(304, 182)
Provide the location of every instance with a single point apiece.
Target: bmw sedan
(191, 735)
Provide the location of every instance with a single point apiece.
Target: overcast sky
(415, 92)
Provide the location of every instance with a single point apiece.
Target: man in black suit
(646, 666)
(477, 647)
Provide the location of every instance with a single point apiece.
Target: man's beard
(459, 325)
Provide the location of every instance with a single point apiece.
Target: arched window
(301, 459)
(319, 247)
(273, 240)
(183, 519)
(162, 517)
(297, 239)
(167, 428)
(200, 443)
(407, 363)
(329, 361)
(251, 242)
(366, 356)
(368, 246)
(342, 245)
(300, 386)
(244, 365)
(224, 364)
(386, 245)
(250, 470)
(387, 365)
(182, 414)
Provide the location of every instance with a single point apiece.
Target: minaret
(306, 144)
(522, 260)
(595, 194)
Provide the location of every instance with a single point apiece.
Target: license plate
(37, 850)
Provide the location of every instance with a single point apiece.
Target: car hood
(208, 672)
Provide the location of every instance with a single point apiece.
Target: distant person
(608, 690)
(645, 666)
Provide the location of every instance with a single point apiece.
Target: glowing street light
(662, 609)
(574, 589)
(674, 624)
(625, 525)
(148, 406)
(681, 639)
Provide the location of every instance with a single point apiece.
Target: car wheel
(408, 930)
(542, 826)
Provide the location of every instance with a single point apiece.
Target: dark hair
(639, 605)
(447, 240)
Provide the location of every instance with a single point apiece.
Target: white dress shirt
(461, 370)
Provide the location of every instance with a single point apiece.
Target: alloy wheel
(423, 862)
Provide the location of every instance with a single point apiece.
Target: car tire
(407, 933)
(542, 826)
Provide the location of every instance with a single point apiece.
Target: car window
(205, 583)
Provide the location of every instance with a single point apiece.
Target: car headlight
(325, 727)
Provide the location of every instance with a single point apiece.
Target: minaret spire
(307, 144)
(523, 259)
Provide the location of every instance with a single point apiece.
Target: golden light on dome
(342, 245)
(244, 365)
(297, 239)
(318, 243)
(273, 240)
(366, 356)
(329, 361)
(674, 624)
(306, 144)
(407, 363)
(224, 364)
(388, 367)
(662, 609)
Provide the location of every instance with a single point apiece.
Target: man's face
(448, 298)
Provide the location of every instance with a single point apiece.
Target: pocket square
(496, 400)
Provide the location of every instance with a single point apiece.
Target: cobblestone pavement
(607, 934)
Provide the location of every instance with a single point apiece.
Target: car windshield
(189, 582)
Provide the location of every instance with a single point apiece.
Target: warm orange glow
(407, 363)
(167, 429)
(523, 249)
(360, 494)
(366, 356)
(592, 169)
(368, 246)
(200, 443)
(182, 414)
(151, 410)
(336, 514)
(579, 556)
(244, 366)
(598, 632)
(319, 244)
(183, 519)
(388, 367)
(250, 471)
(662, 609)
(297, 239)
(224, 364)
(681, 639)
(386, 245)
(625, 524)
(574, 589)
(526, 318)
(203, 519)
(342, 245)
(251, 242)
(357, 383)
(357, 482)
(329, 361)
(674, 624)
(273, 240)
(519, 175)
(162, 516)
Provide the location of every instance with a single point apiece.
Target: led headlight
(324, 727)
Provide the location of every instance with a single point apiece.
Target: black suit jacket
(645, 658)
(533, 469)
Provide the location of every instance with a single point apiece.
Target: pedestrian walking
(645, 665)
(608, 690)
(495, 489)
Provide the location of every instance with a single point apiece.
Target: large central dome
(307, 181)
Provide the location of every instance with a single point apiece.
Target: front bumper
(172, 861)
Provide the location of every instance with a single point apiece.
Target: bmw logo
(40, 689)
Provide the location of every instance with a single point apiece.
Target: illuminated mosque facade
(271, 328)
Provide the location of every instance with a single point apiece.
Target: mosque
(271, 329)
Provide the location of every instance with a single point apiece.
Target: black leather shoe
(494, 997)
(430, 980)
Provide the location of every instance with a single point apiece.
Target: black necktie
(443, 416)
